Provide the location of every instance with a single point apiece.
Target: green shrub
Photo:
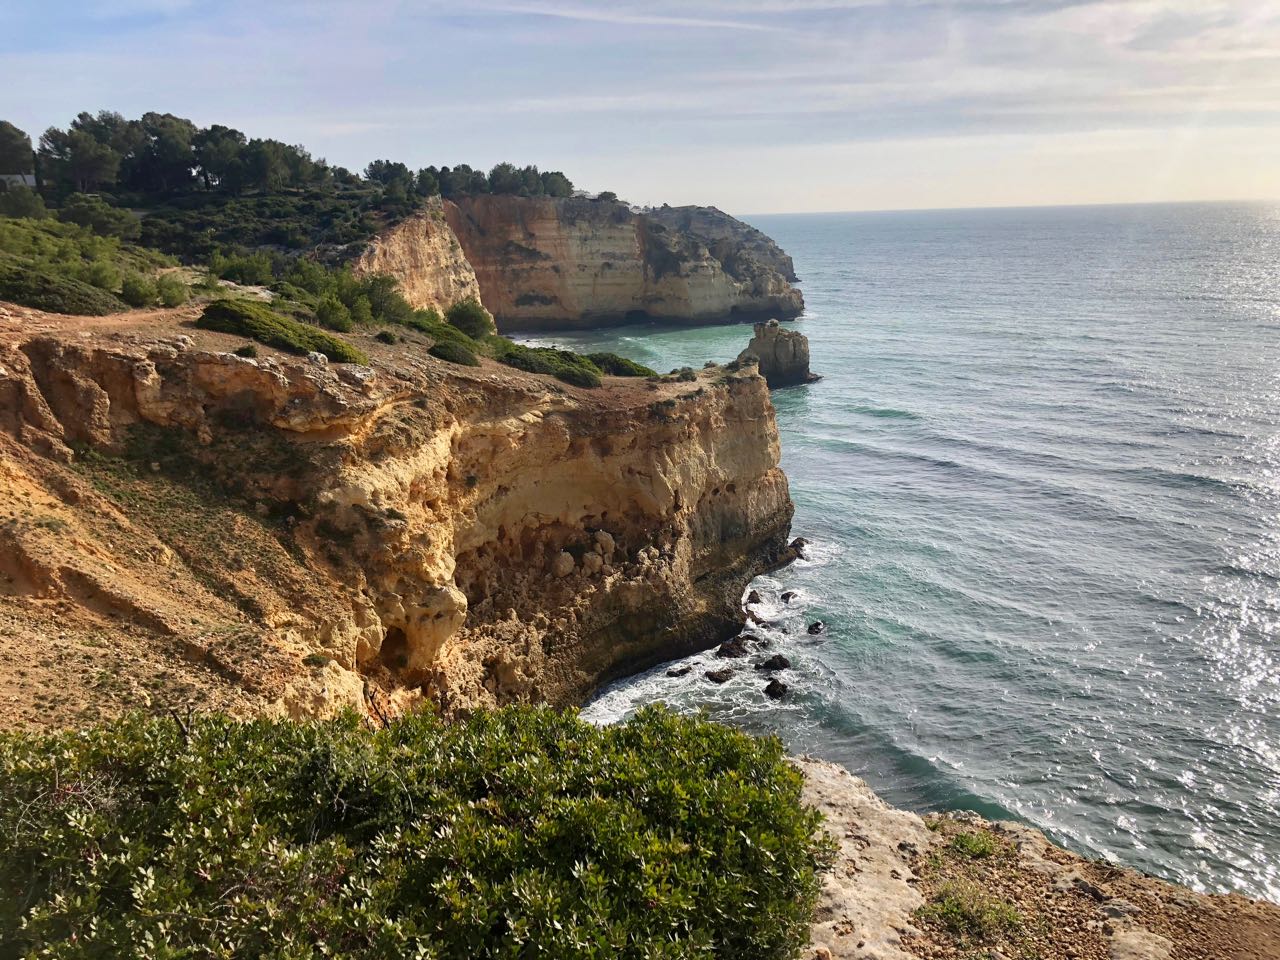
(32, 286)
(99, 216)
(260, 323)
(561, 364)
(385, 336)
(965, 910)
(171, 290)
(333, 313)
(103, 275)
(454, 352)
(975, 846)
(617, 366)
(137, 290)
(22, 202)
(471, 318)
(519, 833)
(248, 350)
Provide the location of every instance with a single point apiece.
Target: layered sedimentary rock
(425, 256)
(545, 263)
(317, 535)
(733, 241)
(783, 355)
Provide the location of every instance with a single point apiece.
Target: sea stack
(783, 355)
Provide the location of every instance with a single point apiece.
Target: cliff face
(425, 256)
(545, 263)
(289, 534)
(735, 243)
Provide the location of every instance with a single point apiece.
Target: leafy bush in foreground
(617, 366)
(260, 323)
(520, 833)
(138, 291)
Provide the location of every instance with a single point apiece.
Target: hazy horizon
(757, 106)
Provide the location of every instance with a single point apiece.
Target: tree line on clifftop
(208, 186)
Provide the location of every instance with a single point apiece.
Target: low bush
(249, 351)
(137, 290)
(617, 366)
(333, 313)
(965, 910)
(454, 352)
(171, 290)
(32, 286)
(471, 318)
(260, 323)
(386, 336)
(103, 275)
(561, 364)
(519, 833)
(974, 846)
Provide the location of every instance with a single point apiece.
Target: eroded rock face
(545, 263)
(425, 256)
(783, 355)
(472, 536)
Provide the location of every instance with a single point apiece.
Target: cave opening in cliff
(394, 654)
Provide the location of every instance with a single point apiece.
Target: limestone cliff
(544, 263)
(782, 355)
(283, 533)
(425, 256)
(736, 244)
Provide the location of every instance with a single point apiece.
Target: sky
(755, 106)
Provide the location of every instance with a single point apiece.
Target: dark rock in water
(788, 596)
(737, 647)
(763, 642)
(755, 618)
(816, 628)
(776, 689)
(753, 598)
(679, 671)
(719, 676)
(797, 549)
(776, 662)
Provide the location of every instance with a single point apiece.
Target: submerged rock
(719, 676)
(788, 596)
(783, 355)
(816, 628)
(776, 662)
(680, 671)
(735, 648)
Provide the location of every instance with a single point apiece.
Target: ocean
(1041, 476)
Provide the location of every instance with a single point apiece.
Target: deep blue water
(1042, 476)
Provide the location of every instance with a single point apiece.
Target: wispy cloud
(628, 94)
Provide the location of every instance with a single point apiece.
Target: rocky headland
(544, 263)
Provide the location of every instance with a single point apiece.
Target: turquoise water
(1042, 477)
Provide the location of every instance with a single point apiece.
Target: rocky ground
(957, 887)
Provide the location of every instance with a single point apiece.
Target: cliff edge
(180, 525)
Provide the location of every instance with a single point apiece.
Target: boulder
(719, 676)
(775, 689)
(680, 671)
(816, 628)
(776, 662)
(753, 598)
(788, 596)
(735, 648)
(783, 355)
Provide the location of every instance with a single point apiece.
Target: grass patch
(519, 833)
(974, 846)
(260, 323)
(964, 910)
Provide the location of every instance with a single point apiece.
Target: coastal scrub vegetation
(258, 322)
(518, 833)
